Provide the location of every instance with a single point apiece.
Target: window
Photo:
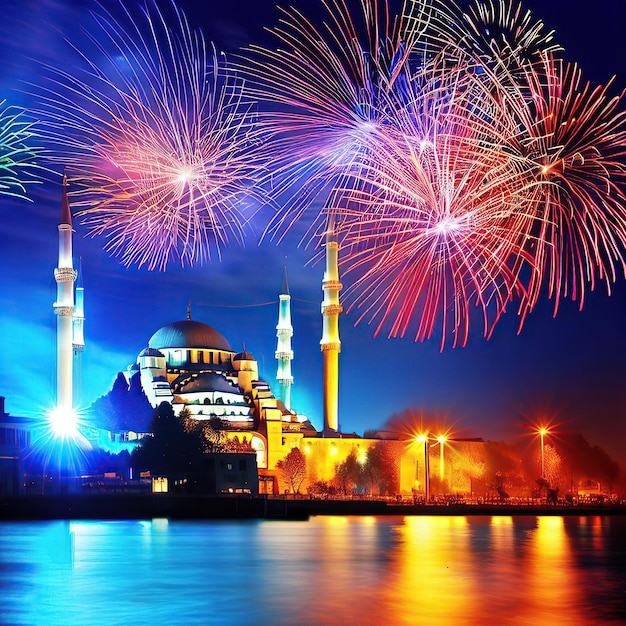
(229, 466)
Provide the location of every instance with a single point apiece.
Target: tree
(124, 407)
(381, 469)
(552, 465)
(349, 473)
(293, 467)
(211, 432)
(171, 449)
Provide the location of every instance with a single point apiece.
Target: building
(15, 437)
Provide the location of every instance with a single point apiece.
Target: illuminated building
(15, 437)
(78, 337)
(284, 353)
(330, 343)
(65, 275)
(191, 365)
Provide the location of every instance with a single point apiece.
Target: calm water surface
(329, 570)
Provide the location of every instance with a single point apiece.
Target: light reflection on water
(329, 570)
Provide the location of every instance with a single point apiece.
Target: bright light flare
(63, 423)
(59, 443)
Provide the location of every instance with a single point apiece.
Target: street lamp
(441, 439)
(424, 439)
(542, 433)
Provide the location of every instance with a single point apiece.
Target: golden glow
(333, 450)
(159, 484)
(433, 552)
(307, 449)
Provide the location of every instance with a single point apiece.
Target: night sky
(568, 370)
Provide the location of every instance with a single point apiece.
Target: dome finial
(188, 310)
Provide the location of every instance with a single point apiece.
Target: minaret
(330, 343)
(78, 335)
(284, 353)
(65, 275)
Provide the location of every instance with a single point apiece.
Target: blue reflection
(329, 570)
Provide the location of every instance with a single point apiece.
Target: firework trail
(18, 158)
(497, 34)
(155, 132)
(572, 139)
(328, 93)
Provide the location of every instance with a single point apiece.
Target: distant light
(63, 423)
(333, 449)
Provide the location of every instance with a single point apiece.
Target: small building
(221, 472)
(14, 440)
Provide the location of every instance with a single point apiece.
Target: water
(329, 570)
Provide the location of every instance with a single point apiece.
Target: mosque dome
(243, 356)
(189, 334)
(150, 352)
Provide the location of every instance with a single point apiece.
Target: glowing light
(63, 423)
(447, 225)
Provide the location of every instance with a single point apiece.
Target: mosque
(192, 366)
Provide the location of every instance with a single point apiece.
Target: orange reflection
(431, 560)
(552, 578)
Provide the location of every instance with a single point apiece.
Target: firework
(155, 134)
(438, 227)
(17, 156)
(572, 140)
(327, 95)
(496, 33)
(463, 165)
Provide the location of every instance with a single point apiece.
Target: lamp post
(424, 439)
(542, 433)
(441, 439)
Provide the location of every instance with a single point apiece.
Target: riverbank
(131, 506)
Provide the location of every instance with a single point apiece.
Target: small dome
(151, 352)
(243, 356)
(189, 334)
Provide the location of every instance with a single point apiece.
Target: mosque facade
(192, 366)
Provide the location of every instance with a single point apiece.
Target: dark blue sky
(569, 369)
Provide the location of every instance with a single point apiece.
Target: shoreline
(183, 507)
